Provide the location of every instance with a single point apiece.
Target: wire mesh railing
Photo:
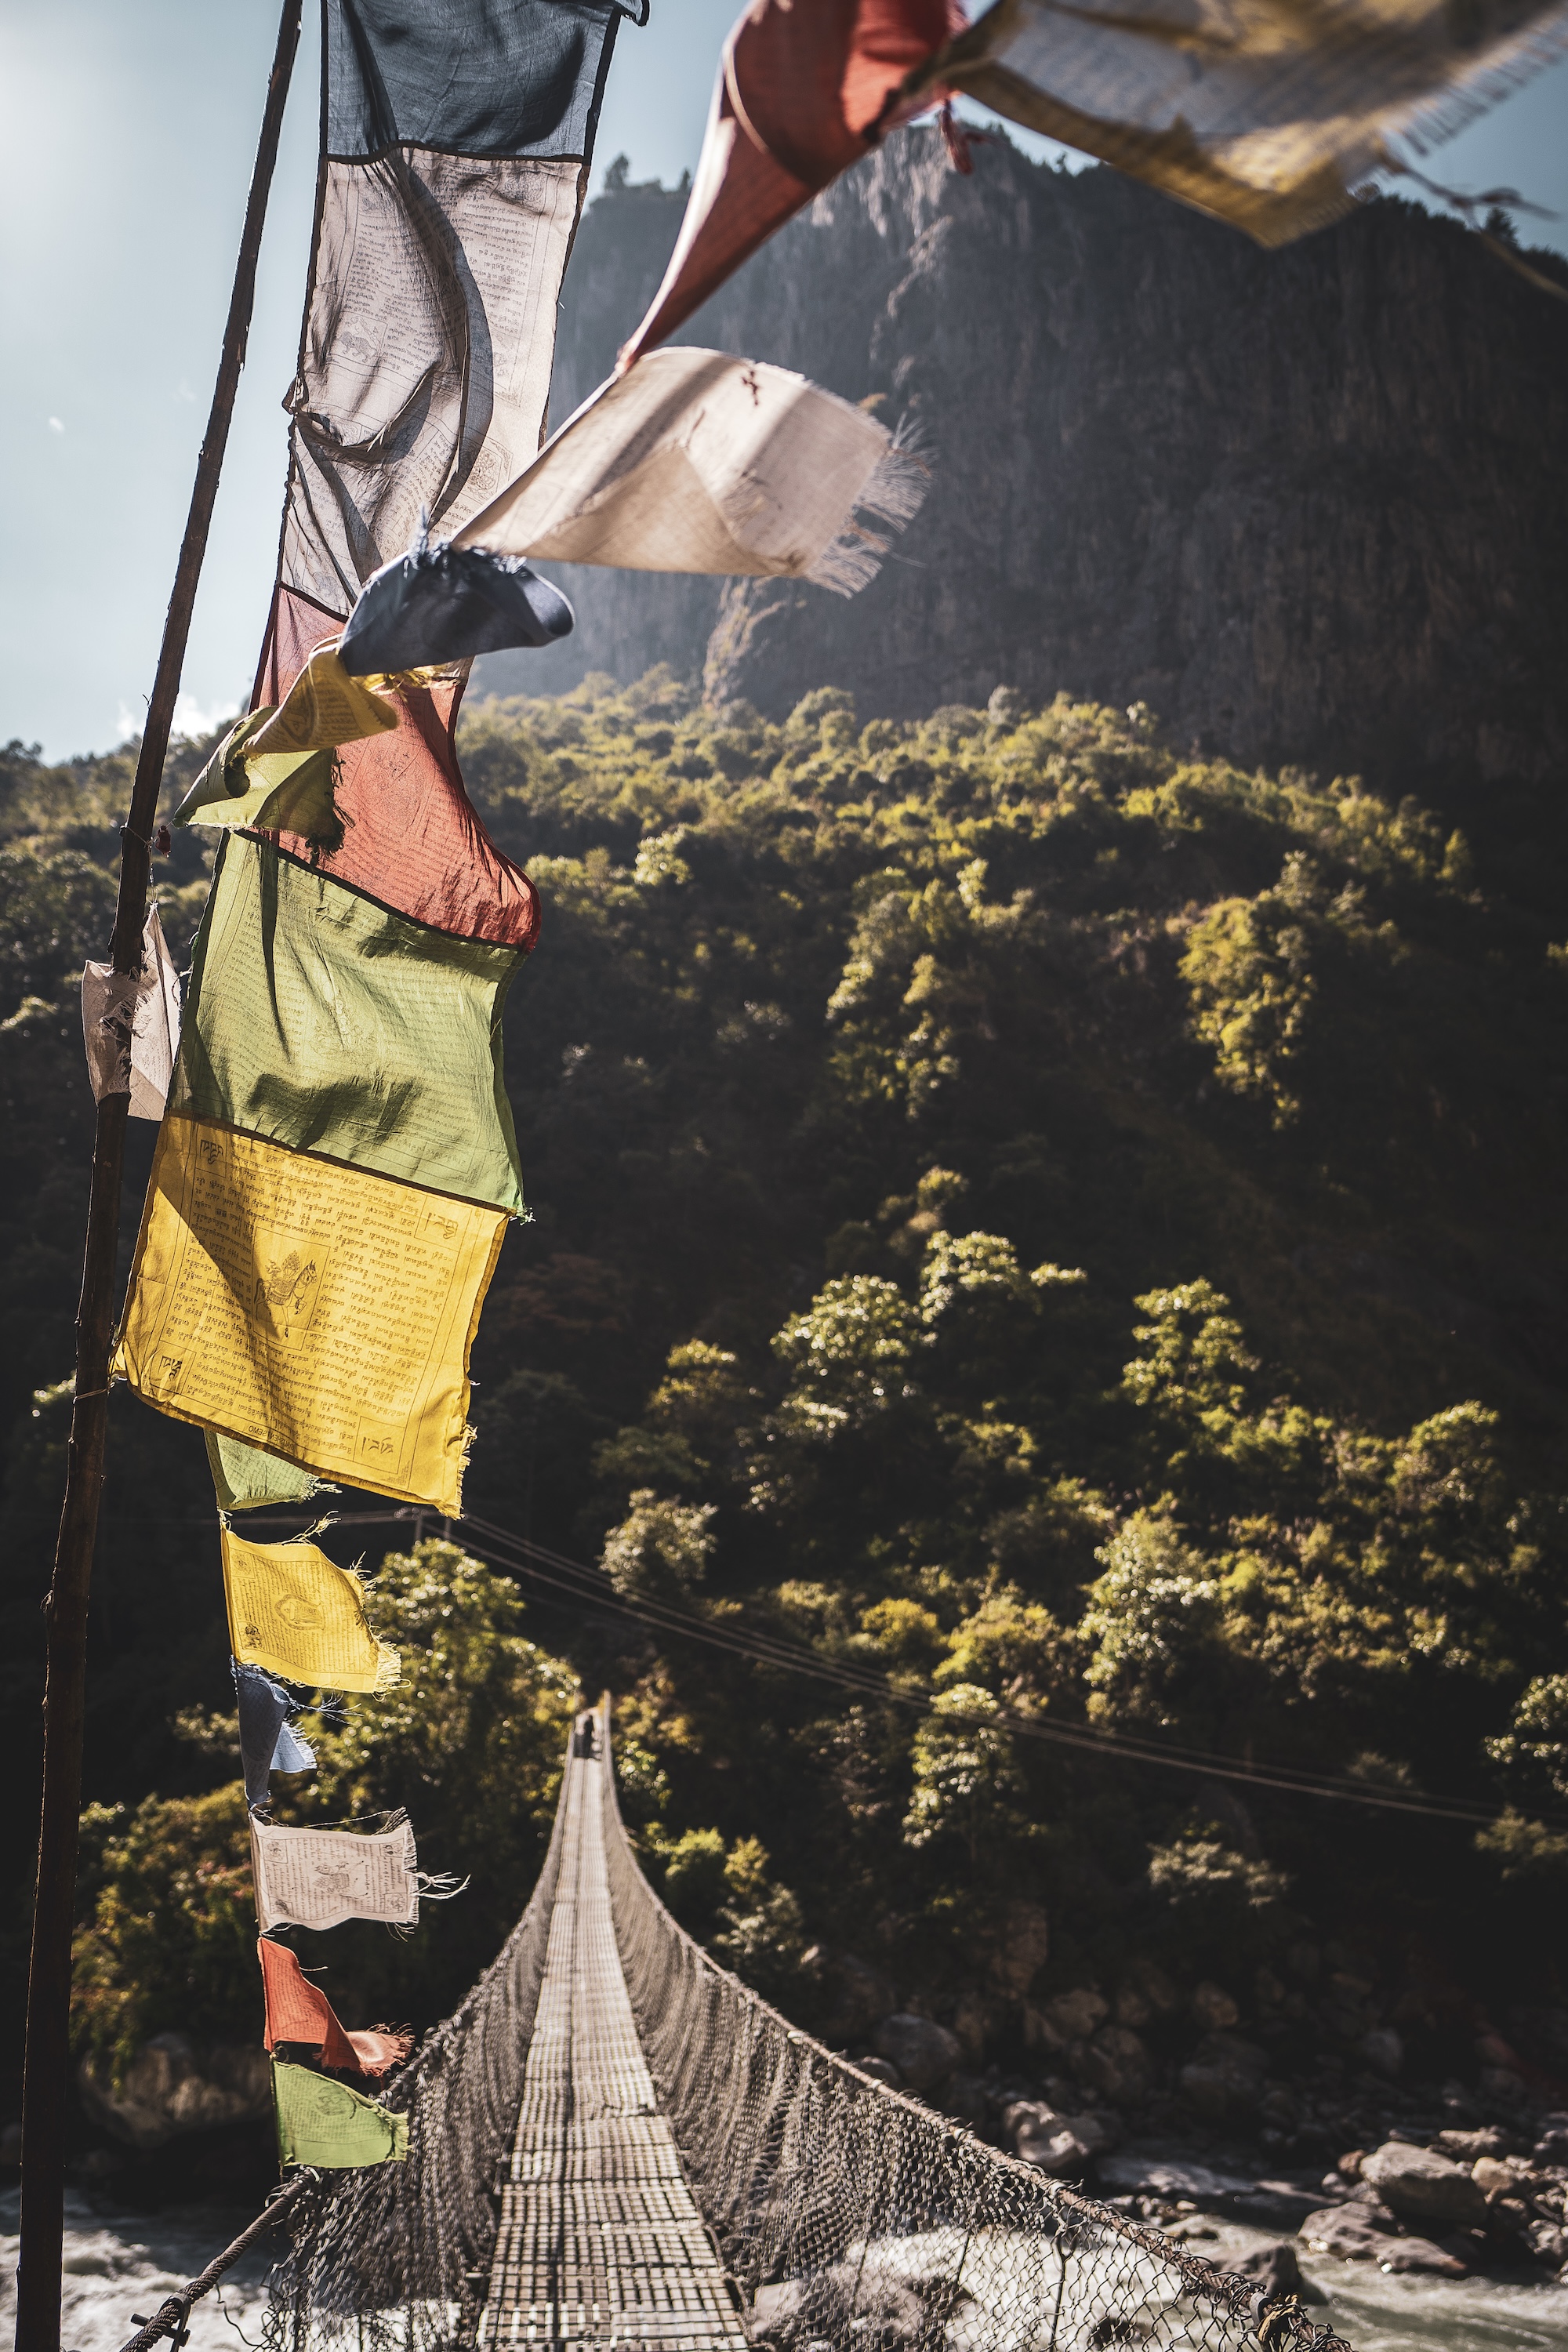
(850, 2216)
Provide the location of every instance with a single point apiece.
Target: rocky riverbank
(1363, 2121)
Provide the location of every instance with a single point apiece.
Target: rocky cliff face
(1308, 505)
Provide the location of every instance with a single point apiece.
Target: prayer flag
(319, 1878)
(292, 1612)
(309, 1308)
(244, 1477)
(699, 462)
(439, 603)
(130, 1025)
(1271, 117)
(326, 2122)
(324, 708)
(268, 1743)
(806, 87)
(455, 157)
(297, 2011)
(333, 1182)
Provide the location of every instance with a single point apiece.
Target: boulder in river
(1224, 2081)
(1050, 2143)
(1277, 2272)
(172, 2086)
(1359, 2234)
(1116, 2063)
(1072, 2017)
(881, 2070)
(1215, 2009)
(1383, 2049)
(923, 2052)
(1419, 2185)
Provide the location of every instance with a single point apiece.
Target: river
(120, 2263)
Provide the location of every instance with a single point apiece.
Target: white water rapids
(120, 2263)
(1376, 2312)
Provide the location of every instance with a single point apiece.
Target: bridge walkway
(600, 2242)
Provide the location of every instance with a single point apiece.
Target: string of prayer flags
(130, 1025)
(319, 1878)
(298, 2011)
(1273, 117)
(338, 1166)
(334, 1177)
(324, 2123)
(806, 87)
(268, 1741)
(700, 462)
(293, 1612)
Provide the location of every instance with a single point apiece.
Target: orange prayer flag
(297, 2011)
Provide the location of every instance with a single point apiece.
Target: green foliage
(659, 1548)
(964, 1779)
(469, 1740)
(762, 1927)
(1074, 1225)
(1200, 1874)
(170, 1942)
(848, 1355)
(1152, 1624)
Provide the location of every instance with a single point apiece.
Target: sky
(130, 131)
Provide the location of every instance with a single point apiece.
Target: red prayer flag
(804, 90)
(411, 838)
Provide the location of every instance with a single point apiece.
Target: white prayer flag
(319, 1878)
(130, 1025)
(696, 461)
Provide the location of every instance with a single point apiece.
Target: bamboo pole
(45, 2089)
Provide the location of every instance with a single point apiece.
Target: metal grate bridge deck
(600, 2242)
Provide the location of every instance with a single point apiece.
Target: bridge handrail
(855, 2203)
(848, 2214)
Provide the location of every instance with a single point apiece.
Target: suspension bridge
(615, 2143)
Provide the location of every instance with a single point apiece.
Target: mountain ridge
(1308, 505)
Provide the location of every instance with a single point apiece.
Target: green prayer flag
(324, 2123)
(325, 1022)
(244, 1476)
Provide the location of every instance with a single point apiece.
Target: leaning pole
(47, 2067)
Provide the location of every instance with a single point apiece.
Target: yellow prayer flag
(292, 1612)
(309, 1308)
(324, 708)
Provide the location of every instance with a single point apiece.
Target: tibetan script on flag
(319, 1878)
(295, 1612)
(322, 2122)
(308, 1308)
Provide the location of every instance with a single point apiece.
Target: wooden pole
(45, 2089)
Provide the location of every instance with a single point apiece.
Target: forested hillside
(1070, 1226)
